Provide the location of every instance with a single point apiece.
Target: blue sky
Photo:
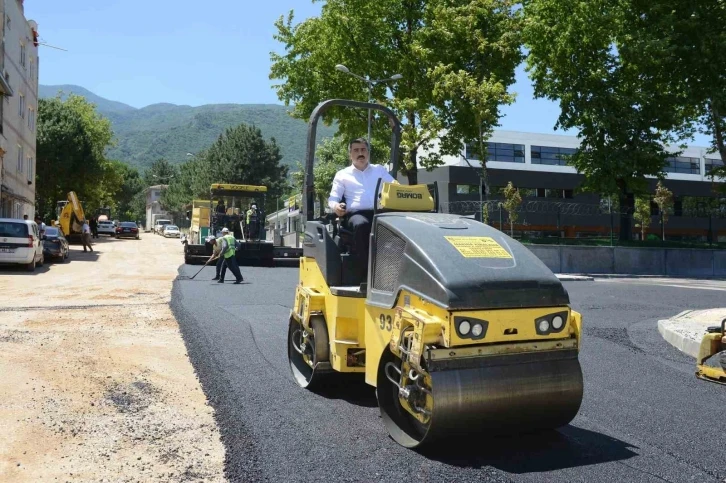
(143, 52)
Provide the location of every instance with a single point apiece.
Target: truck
(233, 201)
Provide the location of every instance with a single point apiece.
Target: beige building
(18, 111)
(153, 205)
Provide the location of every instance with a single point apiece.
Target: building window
(683, 165)
(31, 118)
(30, 168)
(20, 158)
(23, 55)
(467, 189)
(552, 156)
(21, 106)
(713, 163)
(507, 153)
(32, 69)
(559, 193)
(7, 21)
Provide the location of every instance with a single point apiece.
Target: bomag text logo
(411, 196)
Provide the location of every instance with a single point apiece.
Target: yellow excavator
(711, 362)
(70, 217)
(460, 328)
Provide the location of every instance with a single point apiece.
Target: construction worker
(86, 236)
(228, 253)
(220, 207)
(252, 221)
(216, 253)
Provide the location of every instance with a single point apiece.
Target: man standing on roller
(357, 183)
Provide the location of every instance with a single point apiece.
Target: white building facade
(153, 204)
(18, 111)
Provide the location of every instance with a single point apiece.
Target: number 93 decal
(385, 322)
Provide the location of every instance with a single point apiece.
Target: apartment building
(18, 111)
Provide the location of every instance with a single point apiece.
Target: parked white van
(20, 243)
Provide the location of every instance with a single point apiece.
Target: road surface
(644, 417)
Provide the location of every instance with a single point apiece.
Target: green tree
(331, 156)
(512, 200)
(131, 186)
(664, 199)
(642, 214)
(586, 56)
(161, 171)
(387, 37)
(482, 40)
(71, 140)
(687, 40)
(240, 156)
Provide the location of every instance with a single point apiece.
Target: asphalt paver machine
(460, 328)
(228, 206)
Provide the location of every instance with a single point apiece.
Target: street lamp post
(370, 83)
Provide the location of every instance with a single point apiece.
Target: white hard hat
(225, 230)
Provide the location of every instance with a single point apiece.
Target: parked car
(171, 231)
(55, 245)
(20, 243)
(106, 227)
(127, 229)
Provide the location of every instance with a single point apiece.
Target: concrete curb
(627, 275)
(685, 330)
(573, 278)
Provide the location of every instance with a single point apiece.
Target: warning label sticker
(478, 247)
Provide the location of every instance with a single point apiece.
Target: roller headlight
(551, 323)
(468, 328)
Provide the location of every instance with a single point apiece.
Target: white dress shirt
(358, 187)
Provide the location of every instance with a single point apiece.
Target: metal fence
(563, 219)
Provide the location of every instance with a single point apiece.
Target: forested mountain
(170, 131)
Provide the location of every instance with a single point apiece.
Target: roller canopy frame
(308, 198)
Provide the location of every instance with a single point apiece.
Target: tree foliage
(642, 214)
(331, 156)
(387, 37)
(664, 199)
(512, 200)
(591, 58)
(240, 156)
(71, 140)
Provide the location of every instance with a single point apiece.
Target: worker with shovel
(229, 250)
(216, 253)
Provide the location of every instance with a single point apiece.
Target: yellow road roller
(460, 328)
(711, 364)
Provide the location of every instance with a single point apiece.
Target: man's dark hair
(357, 141)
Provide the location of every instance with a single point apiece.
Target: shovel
(200, 270)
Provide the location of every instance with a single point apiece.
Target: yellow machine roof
(232, 188)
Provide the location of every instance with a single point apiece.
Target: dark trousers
(360, 224)
(220, 261)
(231, 263)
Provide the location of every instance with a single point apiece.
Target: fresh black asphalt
(644, 416)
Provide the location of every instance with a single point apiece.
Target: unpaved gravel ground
(96, 384)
